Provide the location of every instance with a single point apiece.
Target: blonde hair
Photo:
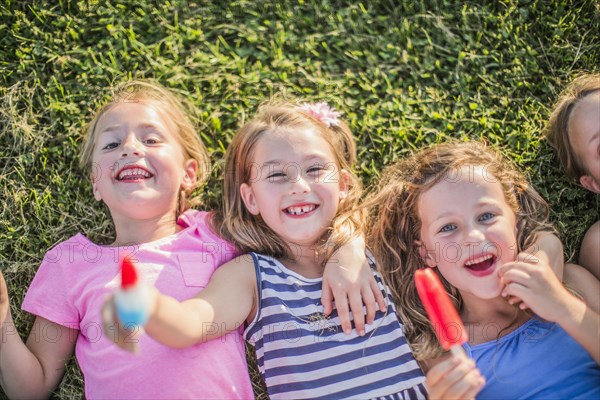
(172, 107)
(396, 227)
(250, 232)
(557, 129)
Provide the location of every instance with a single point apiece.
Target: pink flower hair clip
(322, 112)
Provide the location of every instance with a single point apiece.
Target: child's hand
(535, 284)
(523, 256)
(4, 301)
(127, 338)
(454, 378)
(351, 284)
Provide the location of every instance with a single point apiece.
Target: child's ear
(191, 174)
(249, 199)
(344, 183)
(95, 190)
(590, 183)
(425, 256)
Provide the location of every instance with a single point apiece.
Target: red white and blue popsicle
(131, 300)
(443, 316)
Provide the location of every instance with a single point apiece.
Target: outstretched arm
(221, 307)
(34, 369)
(541, 291)
(348, 279)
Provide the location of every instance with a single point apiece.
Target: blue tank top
(538, 360)
(302, 354)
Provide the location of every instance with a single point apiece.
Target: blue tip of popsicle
(132, 318)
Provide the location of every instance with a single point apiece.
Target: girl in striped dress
(290, 201)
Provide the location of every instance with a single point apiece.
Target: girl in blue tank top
(465, 211)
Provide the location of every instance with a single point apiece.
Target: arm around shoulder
(221, 307)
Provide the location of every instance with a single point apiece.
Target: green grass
(404, 74)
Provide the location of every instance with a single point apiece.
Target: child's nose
(299, 185)
(474, 236)
(131, 146)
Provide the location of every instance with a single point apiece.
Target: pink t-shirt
(76, 276)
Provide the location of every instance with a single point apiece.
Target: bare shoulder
(238, 271)
(592, 236)
(589, 254)
(584, 283)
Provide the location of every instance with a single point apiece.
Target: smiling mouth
(133, 174)
(481, 264)
(300, 210)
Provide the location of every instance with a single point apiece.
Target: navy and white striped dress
(301, 354)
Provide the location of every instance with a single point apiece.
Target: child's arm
(348, 279)
(454, 378)
(221, 307)
(548, 249)
(541, 291)
(34, 369)
(589, 254)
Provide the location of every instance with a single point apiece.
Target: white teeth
(134, 172)
(300, 210)
(479, 259)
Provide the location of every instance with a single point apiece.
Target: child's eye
(276, 175)
(152, 141)
(316, 170)
(486, 216)
(111, 146)
(448, 228)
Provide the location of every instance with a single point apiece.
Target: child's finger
(514, 290)
(527, 258)
(379, 298)
(370, 304)
(437, 373)
(113, 330)
(341, 305)
(326, 296)
(468, 386)
(441, 378)
(356, 306)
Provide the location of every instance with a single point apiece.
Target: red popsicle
(443, 316)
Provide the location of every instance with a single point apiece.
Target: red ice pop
(443, 316)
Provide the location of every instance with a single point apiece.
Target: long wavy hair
(249, 232)
(174, 109)
(396, 226)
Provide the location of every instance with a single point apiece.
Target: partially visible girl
(290, 198)
(465, 211)
(574, 131)
(145, 158)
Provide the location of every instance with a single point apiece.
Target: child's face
(468, 230)
(584, 135)
(138, 164)
(296, 185)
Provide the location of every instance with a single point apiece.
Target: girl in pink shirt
(145, 159)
